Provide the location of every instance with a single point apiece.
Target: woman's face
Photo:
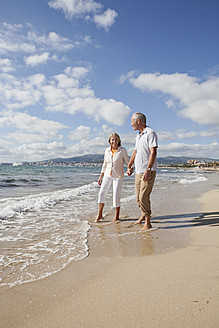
(114, 143)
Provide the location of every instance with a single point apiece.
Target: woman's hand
(100, 179)
(130, 171)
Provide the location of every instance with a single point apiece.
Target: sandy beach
(163, 278)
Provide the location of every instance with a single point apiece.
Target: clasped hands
(130, 171)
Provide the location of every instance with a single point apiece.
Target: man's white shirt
(144, 141)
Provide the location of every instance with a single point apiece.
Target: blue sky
(73, 71)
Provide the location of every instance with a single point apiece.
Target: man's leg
(144, 200)
(138, 178)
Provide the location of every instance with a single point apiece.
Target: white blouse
(113, 165)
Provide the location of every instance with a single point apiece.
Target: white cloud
(106, 20)
(196, 100)
(105, 130)
(37, 59)
(182, 134)
(194, 150)
(19, 93)
(4, 151)
(165, 135)
(29, 126)
(209, 133)
(81, 132)
(96, 145)
(77, 72)
(6, 65)
(13, 40)
(26, 137)
(52, 41)
(124, 77)
(68, 92)
(86, 9)
(25, 39)
(75, 7)
(39, 151)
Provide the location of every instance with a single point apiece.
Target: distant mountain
(96, 158)
(174, 160)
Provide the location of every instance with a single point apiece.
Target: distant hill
(174, 160)
(92, 158)
(96, 158)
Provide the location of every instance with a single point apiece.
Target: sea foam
(11, 207)
(192, 180)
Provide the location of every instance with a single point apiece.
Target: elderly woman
(112, 172)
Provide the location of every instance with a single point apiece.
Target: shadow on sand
(187, 220)
(181, 220)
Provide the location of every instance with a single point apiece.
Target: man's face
(134, 124)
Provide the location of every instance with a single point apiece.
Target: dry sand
(178, 288)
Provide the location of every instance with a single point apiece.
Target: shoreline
(198, 168)
(115, 283)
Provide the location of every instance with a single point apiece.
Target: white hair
(139, 116)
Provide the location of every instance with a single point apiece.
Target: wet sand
(163, 278)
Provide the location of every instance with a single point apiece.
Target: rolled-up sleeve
(126, 156)
(104, 163)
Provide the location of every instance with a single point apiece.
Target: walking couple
(144, 159)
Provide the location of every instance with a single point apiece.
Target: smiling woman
(112, 173)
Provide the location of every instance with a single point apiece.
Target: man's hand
(130, 171)
(146, 175)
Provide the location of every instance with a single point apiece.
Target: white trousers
(117, 187)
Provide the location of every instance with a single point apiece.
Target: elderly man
(144, 158)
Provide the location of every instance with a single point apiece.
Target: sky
(74, 71)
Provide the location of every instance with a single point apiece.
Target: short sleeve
(153, 140)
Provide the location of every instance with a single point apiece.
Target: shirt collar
(143, 132)
(109, 148)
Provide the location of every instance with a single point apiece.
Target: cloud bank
(196, 100)
(68, 92)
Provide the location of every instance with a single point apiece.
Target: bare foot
(98, 219)
(116, 220)
(139, 220)
(146, 227)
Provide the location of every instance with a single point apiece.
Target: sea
(46, 214)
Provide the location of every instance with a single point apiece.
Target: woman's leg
(106, 183)
(117, 211)
(117, 187)
(100, 212)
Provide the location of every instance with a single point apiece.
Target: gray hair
(115, 135)
(139, 116)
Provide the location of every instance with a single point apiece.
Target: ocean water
(46, 214)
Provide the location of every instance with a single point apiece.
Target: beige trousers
(143, 191)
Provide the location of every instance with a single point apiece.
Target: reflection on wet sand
(120, 240)
(123, 238)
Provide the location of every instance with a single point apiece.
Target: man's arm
(131, 162)
(151, 161)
